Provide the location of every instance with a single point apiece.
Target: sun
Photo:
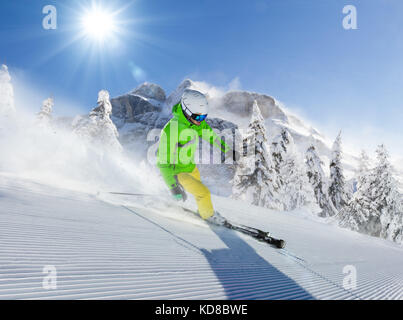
(98, 24)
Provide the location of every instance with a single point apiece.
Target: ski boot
(218, 219)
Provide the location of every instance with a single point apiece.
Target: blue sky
(294, 50)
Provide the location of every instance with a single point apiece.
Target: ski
(133, 194)
(258, 234)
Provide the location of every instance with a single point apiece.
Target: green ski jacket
(178, 142)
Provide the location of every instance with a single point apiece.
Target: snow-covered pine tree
(337, 191)
(295, 191)
(255, 179)
(317, 179)
(363, 168)
(376, 208)
(45, 114)
(7, 107)
(386, 197)
(279, 148)
(98, 127)
(360, 212)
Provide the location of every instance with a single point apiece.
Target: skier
(177, 146)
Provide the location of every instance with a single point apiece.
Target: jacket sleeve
(209, 135)
(165, 159)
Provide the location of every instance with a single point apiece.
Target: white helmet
(194, 102)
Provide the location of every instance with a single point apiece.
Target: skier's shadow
(246, 275)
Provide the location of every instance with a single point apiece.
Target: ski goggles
(194, 116)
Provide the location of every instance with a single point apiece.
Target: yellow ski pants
(192, 184)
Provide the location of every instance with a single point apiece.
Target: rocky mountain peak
(241, 103)
(150, 91)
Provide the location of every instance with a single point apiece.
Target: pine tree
(255, 179)
(279, 147)
(360, 209)
(98, 127)
(386, 198)
(337, 192)
(376, 208)
(7, 107)
(45, 114)
(295, 190)
(363, 168)
(317, 179)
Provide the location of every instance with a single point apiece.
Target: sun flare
(98, 24)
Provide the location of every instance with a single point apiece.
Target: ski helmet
(194, 104)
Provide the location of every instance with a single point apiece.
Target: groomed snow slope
(103, 250)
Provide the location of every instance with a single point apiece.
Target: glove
(179, 193)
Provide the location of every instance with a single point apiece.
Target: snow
(103, 250)
(59, 157)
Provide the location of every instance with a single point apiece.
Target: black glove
(179, 193)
